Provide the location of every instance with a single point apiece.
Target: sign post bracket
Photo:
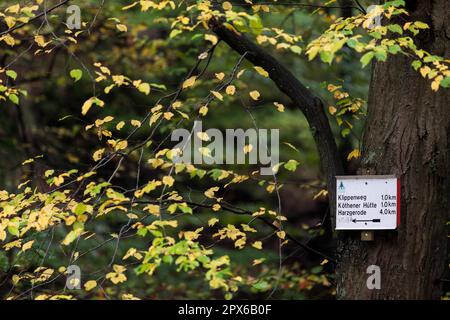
(367, 235)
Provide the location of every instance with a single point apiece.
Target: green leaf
(12, 74)
(316, 270)
(80, 209)
(261, 286)
(142, 232)
(291, 165)
(381, 55)
(14, 98)
(395, 3)
(72, 236)
(365, 59)
(174, 33)
(76, 74)
(159, 86)
(421, 25)
(376, 34)
(394, 49)
(13, 230)
(215, 174)
(352, 43)
(167, 259)
(345, 132)
(185, 209)
(395, 28)
(445, 83)
(326, 56)
(296, 49)
(255, 24)
(416, 64)
(240, 25)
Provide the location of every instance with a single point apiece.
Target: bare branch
(44, 13)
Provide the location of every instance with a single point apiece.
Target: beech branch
(311, 105)
(240, 211)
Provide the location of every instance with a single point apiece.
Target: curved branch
(311, 106)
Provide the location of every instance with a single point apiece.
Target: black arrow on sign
(373, 220)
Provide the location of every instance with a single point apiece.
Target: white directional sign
(367, 202)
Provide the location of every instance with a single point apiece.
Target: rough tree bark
(407, 134)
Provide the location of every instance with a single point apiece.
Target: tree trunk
(407, 134)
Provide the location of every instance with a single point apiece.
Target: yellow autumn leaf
(425, 70)
(27, 245)
(354, 154)
(203, 136)
(281, 235)
(205, 151)
(91, 284)
(203, 56)
(154, 209)
(217, 95)
(261, 71)
(176, 105)
(189, 82)
(168, 115)
(203, 110)
(257, 245)
(270, 188)
(13, 9)
(254, 95)
(211, 38)
(120, 125)
(40, 40)
(123, 144)
(155, 117)
(136, 123)
(129, 296)
(220, 75)
(227, 6)
(279, 106)
(98, 154)
(435, 84)
(122, 28)
(144, 88)
(212, 222)
(258, 261)
(230, 90)
(321, 193)
(10, 22)
(168, 181)
(116, 277)
(210, 192)
(88, 104)
(248, 148)
(332, 110)
(10, 41)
